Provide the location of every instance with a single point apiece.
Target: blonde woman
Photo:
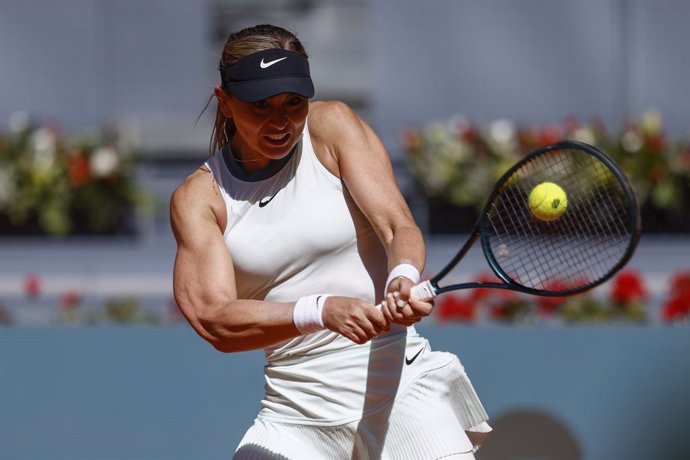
(288, 237)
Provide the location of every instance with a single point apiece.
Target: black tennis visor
(267, 73)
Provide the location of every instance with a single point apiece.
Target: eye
(296, 100)
(261, 104)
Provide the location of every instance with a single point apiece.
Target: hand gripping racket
(564, 252)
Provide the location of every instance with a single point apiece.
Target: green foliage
(458, 162)
(55, 186)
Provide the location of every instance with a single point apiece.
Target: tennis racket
(585, 245)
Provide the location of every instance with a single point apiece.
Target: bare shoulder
(197, 185)
(328, 118)
(333, 127)
(198, 197)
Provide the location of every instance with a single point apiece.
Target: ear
(223, 101)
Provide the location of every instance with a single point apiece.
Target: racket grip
(423, 291)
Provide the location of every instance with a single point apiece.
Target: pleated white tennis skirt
(427, 421)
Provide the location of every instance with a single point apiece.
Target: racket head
(594, 237)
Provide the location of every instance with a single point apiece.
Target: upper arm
(203, 276)
(363, 164)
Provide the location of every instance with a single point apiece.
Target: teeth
(276, 136)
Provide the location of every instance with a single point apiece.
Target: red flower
(500, 312)
(680, 284)
(32, 286)
(467, 132)
(628, 287)
(676, 308)
(678, 305)
(78, 170)
(549, 134)
(548, 305)
(656, 143)
(479, 294)
(454, 307)
(70, 299)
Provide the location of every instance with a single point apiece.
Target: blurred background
(102, 116)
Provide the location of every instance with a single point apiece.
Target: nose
(279, 118)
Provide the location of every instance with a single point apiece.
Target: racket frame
(479, 231)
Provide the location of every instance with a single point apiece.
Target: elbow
(228, 341)
(222, 346)
(212, 319)
(218, 336)
(219, 323)
(223, 343)
(222, 335)
(230, 345)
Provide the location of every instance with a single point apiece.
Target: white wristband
(308, 311)
(406, 271)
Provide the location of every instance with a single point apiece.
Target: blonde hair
(239, 45)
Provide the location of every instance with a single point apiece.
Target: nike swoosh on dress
(267, 199)
(409, 361)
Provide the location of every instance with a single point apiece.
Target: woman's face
(265, 130)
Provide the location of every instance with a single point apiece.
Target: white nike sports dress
(293, 230)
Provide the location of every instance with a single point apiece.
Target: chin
(277, 152)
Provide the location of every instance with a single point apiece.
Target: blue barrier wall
(161, 392)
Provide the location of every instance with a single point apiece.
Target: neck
(253, 170)
(247, 163)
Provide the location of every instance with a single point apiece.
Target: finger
(410, 316)
(407, 323)
(368, 327)
(414, 318)
(404, 287)
(385, 309)
(387, 304)
(391, 307)
(399, 302)
(357, 335)
(421, 307)
(404, 310)
(350, 335)
(379, 320)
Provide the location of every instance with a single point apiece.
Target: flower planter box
(448, 218)
(124, 224)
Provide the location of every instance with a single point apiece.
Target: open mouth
(277, 139)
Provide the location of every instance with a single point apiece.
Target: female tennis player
(288, 237)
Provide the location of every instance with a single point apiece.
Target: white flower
(631, 141)
(104, 162)
(584, 134)
(43, 146)
(502, 132)
(652, 122)
(501, 135)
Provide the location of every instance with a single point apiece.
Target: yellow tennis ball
(547, 201)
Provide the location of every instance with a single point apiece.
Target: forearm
(241, 325)
(406, 245)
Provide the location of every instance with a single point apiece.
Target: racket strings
(576, 249)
